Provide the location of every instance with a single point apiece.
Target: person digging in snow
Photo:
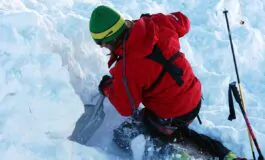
(148, 67)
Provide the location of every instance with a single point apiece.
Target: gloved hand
(104, 83)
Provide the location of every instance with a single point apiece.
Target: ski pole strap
(233, 91)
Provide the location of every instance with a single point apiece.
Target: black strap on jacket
(168, 66)
(145, 15)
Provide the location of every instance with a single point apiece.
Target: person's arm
(118, 96)
(181, 23)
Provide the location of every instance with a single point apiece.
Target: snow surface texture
(138, 147)
(50, 66)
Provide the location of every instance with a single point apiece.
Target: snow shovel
(89, 122)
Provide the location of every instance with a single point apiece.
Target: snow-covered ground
(50, 66)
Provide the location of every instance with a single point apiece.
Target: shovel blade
(88, 123)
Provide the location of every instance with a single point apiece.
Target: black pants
(204, 143)
(154, 124)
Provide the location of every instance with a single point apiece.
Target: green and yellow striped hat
(106, 24)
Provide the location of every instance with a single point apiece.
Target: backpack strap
(168, 66)
(145, 15)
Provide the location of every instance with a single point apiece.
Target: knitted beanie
(106, 24)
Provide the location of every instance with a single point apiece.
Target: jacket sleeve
(181, 23)
(118, 96)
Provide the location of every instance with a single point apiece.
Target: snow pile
(50, 66)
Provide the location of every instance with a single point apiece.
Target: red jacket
(167, 99)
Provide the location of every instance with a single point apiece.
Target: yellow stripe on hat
(110, 31)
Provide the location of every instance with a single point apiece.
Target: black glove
(105, 82)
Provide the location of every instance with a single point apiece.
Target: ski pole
(242, 106)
